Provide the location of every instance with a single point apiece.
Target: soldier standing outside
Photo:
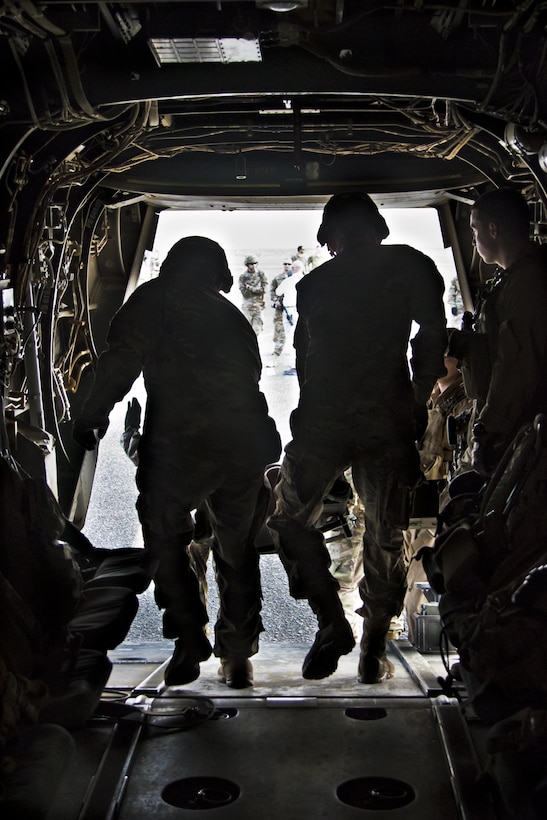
(253, 284)
(360, 407)
(284, 303)
(300, 256)
(504, 356)
(207, 438)
(279, 335)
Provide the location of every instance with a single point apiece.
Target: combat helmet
(198, 260)
(251, 260)
(349, 213)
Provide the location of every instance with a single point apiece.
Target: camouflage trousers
(279, 335)
(346, 555)
(236, 507)
(252, 309)
(382, 474)
(414, 540)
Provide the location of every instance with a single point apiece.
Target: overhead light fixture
(241, 167)
(205, 50)
(223, 37)
(267, 111)
(282, 5)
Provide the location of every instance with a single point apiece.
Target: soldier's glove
(487, 449)
(133, 415)
(86, 436)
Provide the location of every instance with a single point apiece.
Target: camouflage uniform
(300, 256)
(356, 408)
(279, 335)
(206, 438)
(439, 458)
(252, 285)
(455, 299)
(439, 461)
(346, 555)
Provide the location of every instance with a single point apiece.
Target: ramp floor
(297, 759)
(287, 749)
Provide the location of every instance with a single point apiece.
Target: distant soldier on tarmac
(252, 284)
(280, 310)
(300, 256)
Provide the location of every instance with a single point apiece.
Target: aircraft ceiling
(236, 100)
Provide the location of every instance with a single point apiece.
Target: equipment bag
(483, 566)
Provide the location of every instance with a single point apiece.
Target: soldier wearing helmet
(359, 407)
(253, 284)
(207, 438)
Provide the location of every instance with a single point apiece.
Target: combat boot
(374, 667)
(191, 648)
(334, 638)
(236, 672)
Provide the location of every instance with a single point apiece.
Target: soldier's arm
(118, 366)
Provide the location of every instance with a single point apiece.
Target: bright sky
(235, 230)
(253, 231)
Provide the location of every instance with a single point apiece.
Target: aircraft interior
(110, 114)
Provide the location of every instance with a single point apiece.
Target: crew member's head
(500, 223)
(251, 261)
(349, 219)
(198, 262)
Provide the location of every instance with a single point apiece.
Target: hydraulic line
(32, 363)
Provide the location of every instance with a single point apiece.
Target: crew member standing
(358, 407)
(504, 357)
(207, 438)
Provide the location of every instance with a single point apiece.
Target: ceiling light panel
(205, 50)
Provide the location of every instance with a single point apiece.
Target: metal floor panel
(287, 759)
(290, 749)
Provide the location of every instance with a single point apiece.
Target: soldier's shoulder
(408, 251)
(147, 291)
(418, 265)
